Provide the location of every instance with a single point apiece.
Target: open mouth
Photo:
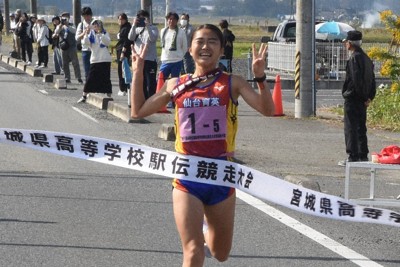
(204, 54)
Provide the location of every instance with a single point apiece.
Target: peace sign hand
(259, 59)
(138, 57)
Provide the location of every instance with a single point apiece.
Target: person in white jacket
(43, 43)
(99, 80)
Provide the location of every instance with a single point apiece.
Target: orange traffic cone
(277, 97)
(160, 84)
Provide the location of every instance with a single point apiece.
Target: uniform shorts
(207, 193)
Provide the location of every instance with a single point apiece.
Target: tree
(386, 105)
(390, 57)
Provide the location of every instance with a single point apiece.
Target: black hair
(123, 16)
(173, 14)
(223, 24)
(186, 15)
(87, 11)
(55, 18)
(143, 13)
(214, 29)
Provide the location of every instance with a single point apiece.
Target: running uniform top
(206, 119)
(206, 126)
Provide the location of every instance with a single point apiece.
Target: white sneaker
(28, 63)
(121, 93)
(82, 100)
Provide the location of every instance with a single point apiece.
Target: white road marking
(85, 115)
(307, 231)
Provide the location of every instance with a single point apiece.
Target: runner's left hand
(259, 59)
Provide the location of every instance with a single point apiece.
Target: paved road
(59, 211)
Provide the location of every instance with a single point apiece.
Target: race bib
(202, 123)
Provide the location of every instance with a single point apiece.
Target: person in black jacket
(229, 38)
(123, 48)
(358, 91)
(24, 34)
(1, 27)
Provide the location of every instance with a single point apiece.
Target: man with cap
(66, 33)
(358, 91)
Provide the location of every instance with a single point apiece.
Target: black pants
(27, 48)
(43, 55)
(355, 129)
(150, 78)
(121, 81)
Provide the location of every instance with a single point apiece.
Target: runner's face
(206, 47)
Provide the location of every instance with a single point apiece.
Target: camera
(141, 22)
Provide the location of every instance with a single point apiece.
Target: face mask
(184, 22)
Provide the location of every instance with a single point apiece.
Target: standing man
(123, 48)
(84, 28)
(174, 46)
(188, 63)
(57, 59)
(141, 33)
(358, 91)
(66, 33)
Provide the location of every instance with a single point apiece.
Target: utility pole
(76, 9)
(304, 59)
(7, 16)
(148, 6)
(33, 7)
(167, 9)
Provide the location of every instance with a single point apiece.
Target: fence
(330, 58)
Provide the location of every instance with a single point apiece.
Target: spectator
(35, 27)
(57, 59)
(35, 32)
(43, 43)
(98, 81)
(174, 46)
(1, 28)
(123, 48)
(66, 33)
(188, 64)
(17, 41)
(23, 31)
(141, 35)
(197, 204)
(229, 38)
(13, 28)
(83, 28)
(358, 91)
